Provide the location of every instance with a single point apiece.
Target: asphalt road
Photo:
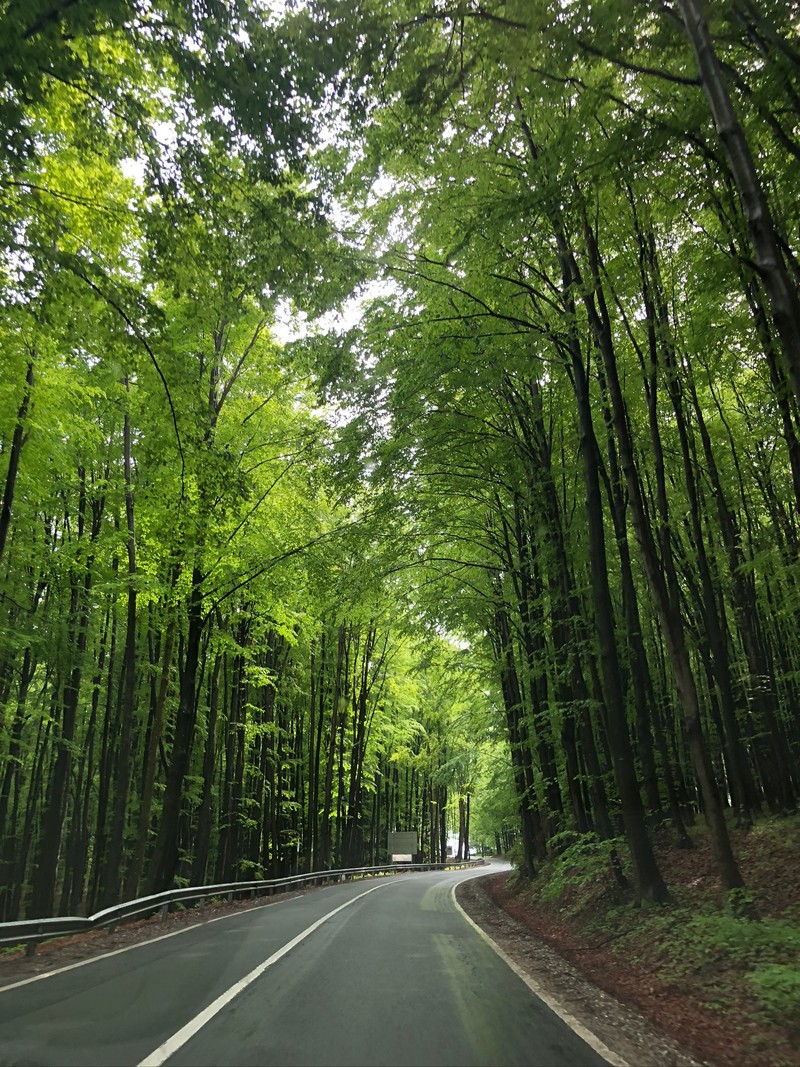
(371, 973)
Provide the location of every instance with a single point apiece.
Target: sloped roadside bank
(728, 990)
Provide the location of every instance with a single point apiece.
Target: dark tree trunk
(206, 812)
(325, 850)
(10, 788)
(112, 881)
(781, 291)
(17, 441)
(45, 872)
(164, 863)
(25, 839)
(136, 865)
(521, 761)
(660, 584)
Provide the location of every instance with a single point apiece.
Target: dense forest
(399, 428)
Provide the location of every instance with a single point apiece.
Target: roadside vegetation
(726, 988)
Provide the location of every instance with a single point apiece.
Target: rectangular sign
(403, 843)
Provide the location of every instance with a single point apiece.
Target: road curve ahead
(371, 973)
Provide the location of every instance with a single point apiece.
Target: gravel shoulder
(623, 1030)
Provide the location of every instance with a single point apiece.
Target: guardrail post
(164, 911)
(30, 948)
(230, 896)
(201, 902)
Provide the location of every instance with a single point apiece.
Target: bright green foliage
(569, 311)
(777, 986)
(580, 861)
(515, 553)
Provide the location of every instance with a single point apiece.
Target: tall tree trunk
(113, 874)
(351, 852)
(10, 787)
(104, 772)
(25, 839)
(659, 330)
(45, 871)
(325, 850)
(521, 761)
(649, 881)
(205, 813)
(164, 863)
(17, 441)
(668, 611)
(523, 571)
(782, 293)
(136, 865)
(750, 625)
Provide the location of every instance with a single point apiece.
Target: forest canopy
(499, 541)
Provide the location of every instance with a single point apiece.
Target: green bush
(516, 855)
(744, 942)
(579, 860)
(777, 986)
(722, 940)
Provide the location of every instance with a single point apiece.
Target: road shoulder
(631, 1036)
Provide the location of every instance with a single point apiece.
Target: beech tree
(544, 201)
(513, 554)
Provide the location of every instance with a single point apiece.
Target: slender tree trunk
(136, 865)
(659, 585)
(649, 881)
(17, 441)
(25, 840)
(442, 824)
(45, 871)
(521, 564)
(165, 858)
(518, 741)
(205, 814)
(352, 835)
(113, 875)
(325, 856)
(10, 787)
(741, 780)
(105, 761)
(782, 293)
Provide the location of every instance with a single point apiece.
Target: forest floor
(725, 989)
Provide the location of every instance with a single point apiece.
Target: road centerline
(186, 1032)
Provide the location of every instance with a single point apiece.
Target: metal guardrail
(30, 932)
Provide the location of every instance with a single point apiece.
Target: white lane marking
(139, 944)
(172, 1044)
(591, 1039)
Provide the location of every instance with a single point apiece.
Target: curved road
(374, 972)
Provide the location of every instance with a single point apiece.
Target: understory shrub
(578, 861)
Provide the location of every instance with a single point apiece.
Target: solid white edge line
(139, 944)
(591, 1039)
(172, 1044)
